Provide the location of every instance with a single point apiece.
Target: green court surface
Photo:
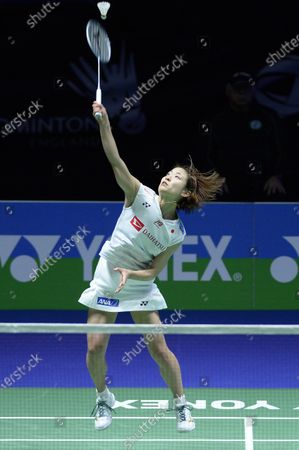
(226, 419)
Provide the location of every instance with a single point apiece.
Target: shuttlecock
(103, 7)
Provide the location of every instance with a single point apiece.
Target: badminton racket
(99, 44)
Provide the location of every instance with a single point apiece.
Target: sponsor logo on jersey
(137, 224)
(158, 223)
(146, 204)
(105, 301)
(154, 240)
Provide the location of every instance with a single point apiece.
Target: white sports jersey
(141, 233)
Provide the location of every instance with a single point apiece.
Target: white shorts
(135, 296)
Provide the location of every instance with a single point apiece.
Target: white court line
(276, 440)
(121, 440)
(144, 417)
(248, 422)
(147, 440)
(92, 418)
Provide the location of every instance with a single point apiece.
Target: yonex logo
(105, 301)
(23, 260)
(137, 224)
(284, 269)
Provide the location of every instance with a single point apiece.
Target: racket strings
(98, 41)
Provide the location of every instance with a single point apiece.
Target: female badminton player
(146, 234)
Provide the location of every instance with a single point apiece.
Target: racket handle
(98, 115)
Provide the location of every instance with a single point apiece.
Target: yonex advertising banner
(240, 256)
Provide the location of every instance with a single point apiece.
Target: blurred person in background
(244, 146)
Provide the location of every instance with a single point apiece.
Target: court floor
(226, 419)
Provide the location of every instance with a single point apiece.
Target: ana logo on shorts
(137, 224)
(105, 301)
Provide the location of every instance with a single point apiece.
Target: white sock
(104, 395)
(179, 401)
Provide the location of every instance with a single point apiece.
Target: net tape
(71, 328)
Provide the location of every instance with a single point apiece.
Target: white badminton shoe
(184, 420)
(103, 412)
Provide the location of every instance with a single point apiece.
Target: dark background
(61, 165)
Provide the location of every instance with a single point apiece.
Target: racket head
(98, 40)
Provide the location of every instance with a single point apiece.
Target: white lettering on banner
(44, 245)
(163, 275)
(179, 258)
(216, 264)
(216, 253)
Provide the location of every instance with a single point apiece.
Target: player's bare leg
(97, 366)
(169, 368)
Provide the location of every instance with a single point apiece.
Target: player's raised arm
(127, 182)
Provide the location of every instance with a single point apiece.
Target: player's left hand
(124, 275)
